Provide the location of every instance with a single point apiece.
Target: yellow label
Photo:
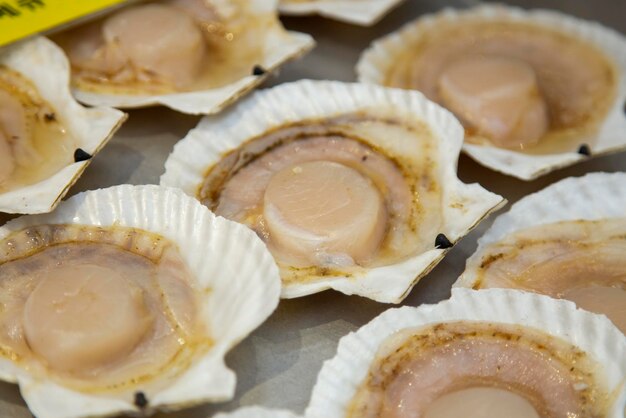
(22, 18)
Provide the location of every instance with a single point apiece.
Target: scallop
(358, 12)
(352, 188)
(126, 300)
(46, 138)
(194, 56)
(513, 78)
(493, 353)
(566, 241)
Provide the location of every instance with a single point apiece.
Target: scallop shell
(359, 12)
(243, 294)
(45, 65)
(280, 47)
(463, 207)
(609, 138)
(341, 376)
(257, 412)
(591, 197)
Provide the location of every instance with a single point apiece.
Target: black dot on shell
(50, 117)
(258, 70)
(442, 242)
(364, 158)
(584, 150)
(81, 155)
(141, 401)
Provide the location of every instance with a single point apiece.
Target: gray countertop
(278, 364)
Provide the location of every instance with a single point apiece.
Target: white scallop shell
(359, 12)
(257, 412)
(45, 65)
(214, 136)
(280, 46)
(341, 376)
(222, 255)
(591, 197)
(610, 137)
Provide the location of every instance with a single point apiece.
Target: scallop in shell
(352, 187)
(209, 53)
(46, 138)
(126, 300)
(513, 77)
(490, 353)
(359, 12)
(566, 241)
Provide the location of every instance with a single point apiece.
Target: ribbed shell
(463, 206)
(221, 255)
(280, 47)
(611, 136)
(45, 65)
(341, 376)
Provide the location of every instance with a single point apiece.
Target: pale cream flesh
(498, 97)
(322, 210)
(159, 43)
(481, 402)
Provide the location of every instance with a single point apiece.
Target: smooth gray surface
(277, 365)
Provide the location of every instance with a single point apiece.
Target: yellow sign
(22, 18)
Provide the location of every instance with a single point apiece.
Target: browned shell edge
(443, 253)
(85, 163)
(260, 78)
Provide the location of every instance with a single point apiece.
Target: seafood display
(46, 138)
(513, 77)
(358, 195)
(114, 303)
(566, 241)
(140, 299)
(208, 54)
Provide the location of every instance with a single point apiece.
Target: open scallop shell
(222, 256)
(609, 137)
(591, 197)
(463, 206)
(341, 376)
(280, 46)
(257, 412)
(359, 12)
(45, 65)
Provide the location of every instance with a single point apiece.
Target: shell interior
(63, 130)
(290, 108)
(565, 241)
(212, 250)
(341, 377)
(602, 136)
(249, 29)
